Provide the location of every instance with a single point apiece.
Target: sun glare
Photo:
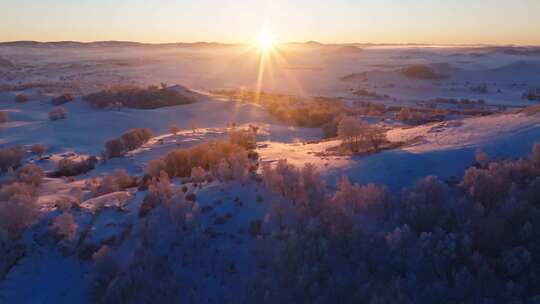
(265, 42)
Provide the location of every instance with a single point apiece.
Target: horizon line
(278, 43)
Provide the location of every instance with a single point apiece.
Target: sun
(265, 42)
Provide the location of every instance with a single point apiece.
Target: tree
(114, 148)
(38, 149)
(65, 226)
(21, 98)
(404, 114)
(4, 117)
(57, 113)
(174, 129)
(62, 99)
(375, 136)
(10, 158)
(350, 130)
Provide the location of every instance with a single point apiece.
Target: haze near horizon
(230, 21)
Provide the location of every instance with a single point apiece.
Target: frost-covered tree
(173, 129)
(30, 174)
(482, 158)
(10, 157)
(57, 114)
(350, 130)
(65, 226)
(154, 167)
(244, 138)
(4, 117)
(423, 205)
(198, 175)
(17, 212)
(38, 149)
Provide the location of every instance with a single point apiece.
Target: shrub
(62, 99)
(374, 136)
(69, 167)
(57, 113)
(208, 156)
(17, 189)
(481, 158)
(155, 166)
(423, 205)
(303, 187)
(174, 129)
(134, 138)
(4, 117)
(350, 130)
(114, 148)
(65, 226)
(535, 156)
(10, 158)
(38, 149)
(404, 115)
(305, 113)
(105, 185)
(137, 97)
(354, 133)
(198, 175)
(109, 183)
(421, 71)
(30, 174)
(17, 213)
(371, 199)
(21, 98)
(532, 94)
(244, 138)
(123, 180)
(130, 140)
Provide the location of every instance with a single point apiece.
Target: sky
(328, 21)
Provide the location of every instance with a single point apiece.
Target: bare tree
(350, 130)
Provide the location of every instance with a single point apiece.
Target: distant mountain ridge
(112, 43)
(509, 50)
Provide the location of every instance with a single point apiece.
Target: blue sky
(382, 21)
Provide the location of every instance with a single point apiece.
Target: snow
(446, 149)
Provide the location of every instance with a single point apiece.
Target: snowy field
(236, 218)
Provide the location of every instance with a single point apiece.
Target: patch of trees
(70, 167)
(532, 94)
(18, 206)
(358, 136)
(38, 149)
(480, 89)
(130, 140)
(421, 71)
(10, 158)
(4, 117)
(477, 242)
(20, 98)
(57, 114)
(415, 116)
(118, 181)
(62, 99)
(224, 160)
(304, 113)
(245, 138)
(136, 97)
(457, 101)
(168, 216)
(363, 77)
(369, 94)
(369, 108)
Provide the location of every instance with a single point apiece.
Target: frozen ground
(444, 149)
